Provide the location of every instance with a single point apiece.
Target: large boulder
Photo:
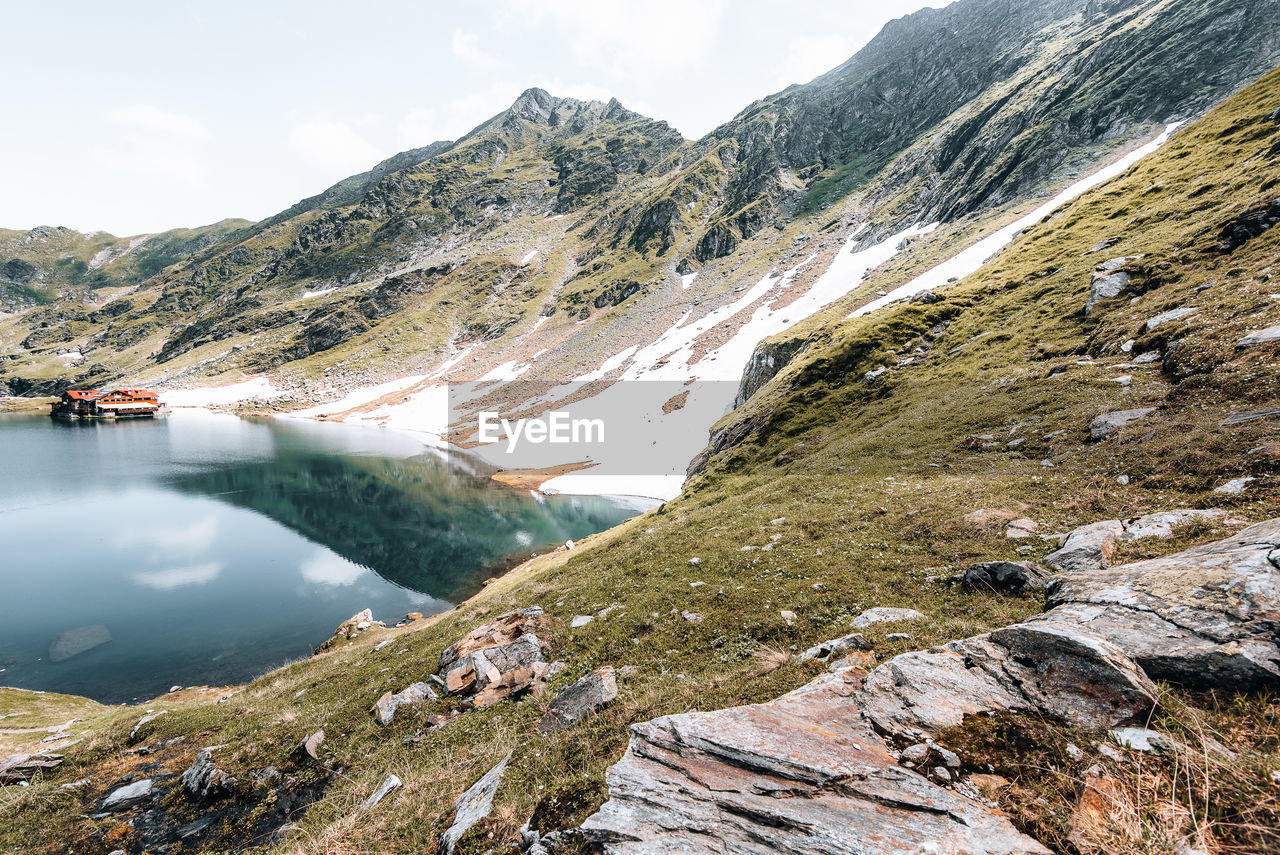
(23, 767)
(817, 771)
(203, 779)
(1108, 281)
(501, 658)
(1205, 617)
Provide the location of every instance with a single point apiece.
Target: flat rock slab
(815, 771)
(1108, 423)
(473, 806)
(725, 782)
(1254, 339)
(580, 700)
(1203, 617)
(73, 642)
(884, 614)
(127, 796)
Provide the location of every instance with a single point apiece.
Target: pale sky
(135, 117)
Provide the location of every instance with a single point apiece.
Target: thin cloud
(147, 117)
(465, 45)
(334, 146)
(809, 56)
(326, 568)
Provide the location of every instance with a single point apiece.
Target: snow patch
(973, 258)
(213, 396)
(532, 254)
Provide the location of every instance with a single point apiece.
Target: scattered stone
(1106, 243)
(473, 806)
(1122, 480)
(1108, 423)
(1013, 576)
(692, 617)
(391, 783)
(127, 796)
(311, 745)
(1123, 379)
(884, 614)
(824, 651)
(19, 768)
(385, 707)
(579, 621)
(1171, 315)
(413, 616)
(1253, 339)
(497, 660)
(695, 560)
(203, 779)
(1146, 358)
(989, 518)
(1095, 814)
(349, 628)
(1140, 739)
(569, 544)
(1022, 527)
(1251, 415)
(580, 700)
(1235, 486)
(73, 642)
(898, 636)
(1108, 281)
(1089, 547)
(874, 374)
(788, 616)
(146, 719)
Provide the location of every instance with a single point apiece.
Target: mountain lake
(205, 549)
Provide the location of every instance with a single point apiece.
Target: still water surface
(205, 549)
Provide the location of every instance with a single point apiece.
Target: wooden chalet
(115, 404)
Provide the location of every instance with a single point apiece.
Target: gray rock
(580, 700)
(1235, 486)
(127, 796)
(580, 621)
(1253, 339)
(1108, 423)
(18, 768)
(473, 806)
(1005, 575)
(1087, 548)
(1171, 315)
(1243, 416)
(883, 614)
(814, 771)
(203, 779)
(73, 642)
(824, 651)
(390, 783)
(498, 659)
(146, 719)
(1140, 739)
(1162, 524)
(385, 707)
(1146, 358)
(1108, 281)
(1202, 617)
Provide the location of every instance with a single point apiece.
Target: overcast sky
(139, 116)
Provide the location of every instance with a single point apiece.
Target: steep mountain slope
(569, 212)
(845, 487)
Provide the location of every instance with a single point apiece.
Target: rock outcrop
(504, 657)
(1005, 575)
(817, 771)
(385, 707)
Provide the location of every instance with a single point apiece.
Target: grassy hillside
(839, 494)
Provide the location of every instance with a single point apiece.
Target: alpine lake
(206, 549)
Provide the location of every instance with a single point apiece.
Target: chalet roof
(84, 394)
